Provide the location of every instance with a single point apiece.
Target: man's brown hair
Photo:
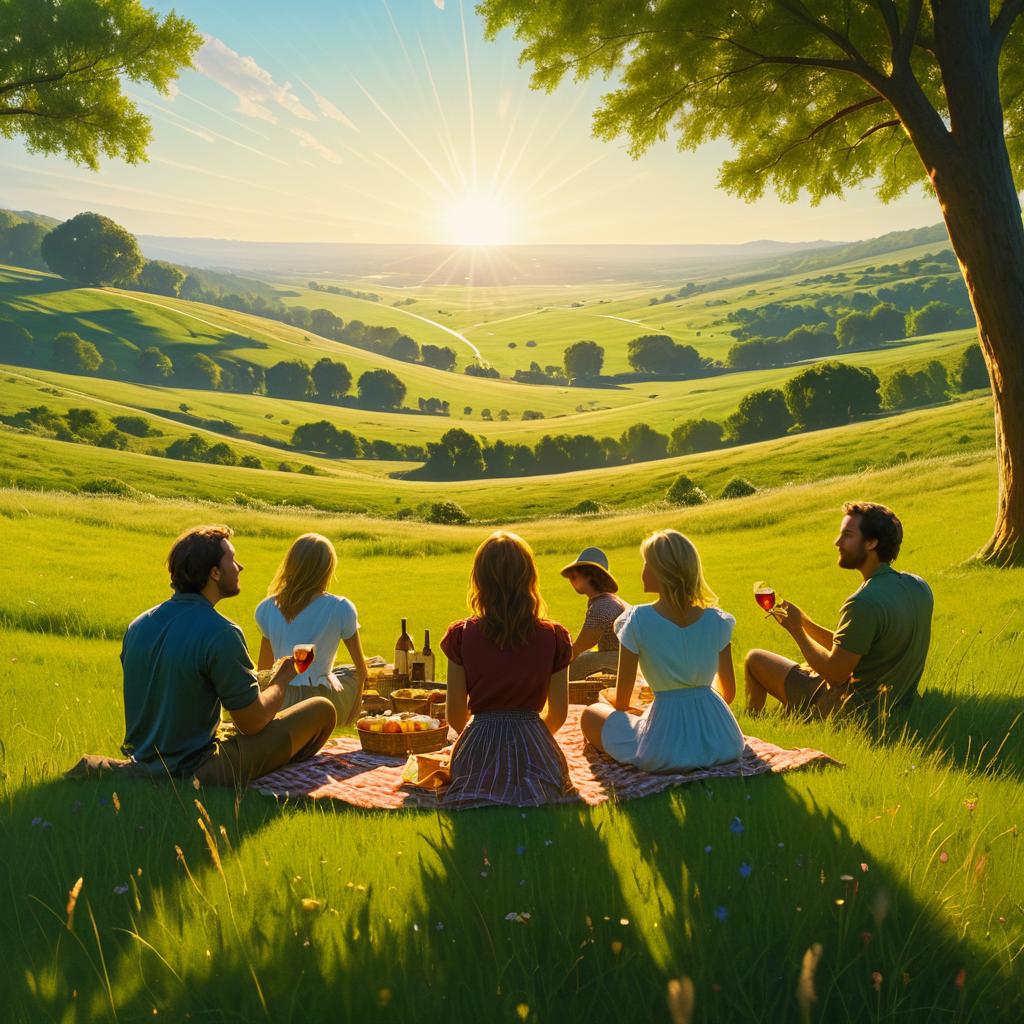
(194, 554)
(880, 524)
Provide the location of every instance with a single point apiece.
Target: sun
(479, 220)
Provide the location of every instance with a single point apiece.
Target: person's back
(182, 660)
(888, 622)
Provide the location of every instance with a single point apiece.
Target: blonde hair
(503, 590)
(305, 573)
(676, 563)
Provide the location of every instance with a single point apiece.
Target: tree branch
(845, 112)
(895, 123)
(901, 52)
(1008, 14)
(887, 9)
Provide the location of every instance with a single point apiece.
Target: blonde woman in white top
(683, 644)
(299, 609)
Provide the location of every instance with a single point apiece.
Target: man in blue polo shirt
(875, 656)
(183, 661)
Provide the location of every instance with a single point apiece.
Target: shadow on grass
(979, 733)
(312, 912)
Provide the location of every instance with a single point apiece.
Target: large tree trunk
(970, 170)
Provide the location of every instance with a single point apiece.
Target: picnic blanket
(343, 771)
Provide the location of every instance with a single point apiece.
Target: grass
(960, 430)
(192, 906)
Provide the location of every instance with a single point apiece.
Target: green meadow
(904, 864)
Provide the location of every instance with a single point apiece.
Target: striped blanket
(343, 771)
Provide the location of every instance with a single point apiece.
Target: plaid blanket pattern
(343, 771)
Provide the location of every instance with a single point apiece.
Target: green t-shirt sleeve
(231, 670)
(858, 626)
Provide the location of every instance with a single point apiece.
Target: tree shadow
(975, 732)
(749, 881)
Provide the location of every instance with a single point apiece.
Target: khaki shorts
(808, 693)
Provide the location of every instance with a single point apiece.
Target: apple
(392, 726)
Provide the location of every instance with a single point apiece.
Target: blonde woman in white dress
(299, 609)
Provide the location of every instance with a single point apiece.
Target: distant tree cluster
(333, 289)
(325, 438)
(20, 241)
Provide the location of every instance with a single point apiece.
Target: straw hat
(595, 558)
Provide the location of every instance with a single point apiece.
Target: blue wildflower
(745, 870)
(736, 826)
(721, 913)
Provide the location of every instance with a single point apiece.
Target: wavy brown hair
(503, 590)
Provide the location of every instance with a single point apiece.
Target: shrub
(532, 414)
(74, 354)
(587, 507)
(684, 491)
(307, 469)
(109, 485)
(971, 372)
(737, 487)
(250, 462)
(448, 513)
(137, 426)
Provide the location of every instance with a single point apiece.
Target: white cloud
(327, 108)
(254, 87)
(309, 141)
(439, 4)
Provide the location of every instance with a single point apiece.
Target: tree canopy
(92, 249)
(62, 67)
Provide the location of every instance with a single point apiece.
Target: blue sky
(366, 121)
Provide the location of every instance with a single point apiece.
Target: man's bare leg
(765, 673)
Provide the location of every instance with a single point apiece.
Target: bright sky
(395, 121)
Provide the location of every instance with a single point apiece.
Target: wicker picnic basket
(400, 744)
(385, 683)
(417, 705)
(587, 691)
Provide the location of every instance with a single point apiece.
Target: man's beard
(852, 560)
(225, 591)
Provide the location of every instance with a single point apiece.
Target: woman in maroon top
(505, 663)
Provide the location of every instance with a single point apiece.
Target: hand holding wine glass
(764, 595)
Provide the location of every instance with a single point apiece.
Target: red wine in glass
(764, 595)
(303, 655)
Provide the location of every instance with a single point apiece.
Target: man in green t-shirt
(183, 661)
(875, 656)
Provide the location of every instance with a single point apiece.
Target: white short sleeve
(626, 630)
(728, 624)
(262, 616)
(347, 617)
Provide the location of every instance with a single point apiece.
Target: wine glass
(764, 595)
(303, 655)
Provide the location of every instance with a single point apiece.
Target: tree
(16, 345)
(160, 277)
(932, 318)
(74, 354)
(325, 437)
(199, 371)
(828, 394)
(695, 436)
(760, 415)
(448, 513)
(331, 379)
(23, 244)
(289, 378)
(971, 372)
(439, 357)
(816, 96)
(381, 389)
(642, 443)
(465, 454)
(92, 249)
(583, 360)
(405, 349)
(659, 354)
(887, 323)
(188, 449)
(154, 365)
(62, 69)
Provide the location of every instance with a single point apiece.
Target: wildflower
(864, 867)
(745, 870)
(310, 905)
(680, 1000)
(781, 846)
(721, 913)
(840, 902)
(960, 979)
(708, 848)
(522, 1011)
(439, 926)
(736, 826)
(37, 821)
(624, 921)
(120, 889)
(616, 947)
(943, 857)
(116, 801)
(876, 981)
(520, 850)
(970, 803)
(549, 842)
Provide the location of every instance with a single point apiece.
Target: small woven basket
(419, 705)
(400, 744)
(585, 691)
(384, 684)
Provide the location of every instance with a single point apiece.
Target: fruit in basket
(392, 725)
(436, 696)
(364, 724)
